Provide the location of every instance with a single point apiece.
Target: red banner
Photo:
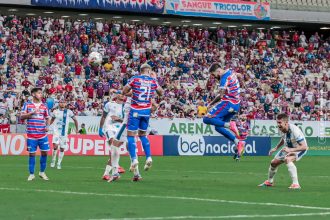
(86, 145)
(5, 128)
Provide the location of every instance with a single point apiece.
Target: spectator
(82, 129)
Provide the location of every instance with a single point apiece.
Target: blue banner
(197, 145)
(219, 9)
(148, 6)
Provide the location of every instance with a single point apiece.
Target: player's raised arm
(126, 90)
(24, 113)
(159, 91)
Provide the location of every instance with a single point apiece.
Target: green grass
(217, 178)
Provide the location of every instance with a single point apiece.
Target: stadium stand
(279, 67)
(301, 5)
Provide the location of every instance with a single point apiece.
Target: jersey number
(146, 91)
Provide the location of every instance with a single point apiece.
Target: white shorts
(61, 141)
(281, 155)
(118, 132)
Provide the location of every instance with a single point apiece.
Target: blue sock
(43, 163)
(214, 121)
(131, 147)
(145, 145)
(226, 133)
(32, 163)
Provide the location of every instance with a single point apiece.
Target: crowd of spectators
(282, 71)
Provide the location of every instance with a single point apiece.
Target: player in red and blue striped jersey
(37, 115)
(225, 106)
(243, 126)
(144, 87)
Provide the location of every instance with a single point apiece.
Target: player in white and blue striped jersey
(295, 148)
(60, 118)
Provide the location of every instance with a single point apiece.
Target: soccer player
(243, 127)
(114, 125)
(295, 148)
(60, 118)
(37, 116)
(225, 106)
(143, 87)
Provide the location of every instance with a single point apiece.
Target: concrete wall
(300, 16)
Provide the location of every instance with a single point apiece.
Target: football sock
(54, 155)
(32, 163)
(293, 172)
(107, 170)
(60, 157)
(146, 145)
(43, 163)
(136, 171)
(131, 147)
(115, 159)
(271, 173)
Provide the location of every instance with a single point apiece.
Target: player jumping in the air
(225, 106)
(295, 148)
(143, 88)
(243, 127)
(114, 121)
(60, 118)
(37, 116)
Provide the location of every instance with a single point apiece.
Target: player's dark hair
(34, 90)
(214, 67)
(283, 116)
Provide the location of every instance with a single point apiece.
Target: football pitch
(175, 188)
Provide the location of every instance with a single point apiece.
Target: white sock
(293, 172)
(136, 171)
(54, 155)
(60, 157)
(115, 159)
(271, 173)
(107, 170)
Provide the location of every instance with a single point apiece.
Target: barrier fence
(164, 145)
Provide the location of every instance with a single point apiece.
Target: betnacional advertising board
(220, 9)
(147, 6)
(198, 145)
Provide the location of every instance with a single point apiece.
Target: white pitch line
(180, 171)
(168, 197)
(222, 216)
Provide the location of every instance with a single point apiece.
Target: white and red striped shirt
(36, 125)
(230, 83)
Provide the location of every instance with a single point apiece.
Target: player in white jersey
(113, 123)
(295, 148)
(60, 118)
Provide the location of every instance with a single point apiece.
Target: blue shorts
(138, 120)
(43, 143)
(225, 110)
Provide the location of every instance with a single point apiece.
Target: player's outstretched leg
(54, 155)
(43, 164)
(32, 163)
(271, 173)
(132, 152)
(108, 168)
(293, 172)
(146, 147)
(60, 158)
(115, 163)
